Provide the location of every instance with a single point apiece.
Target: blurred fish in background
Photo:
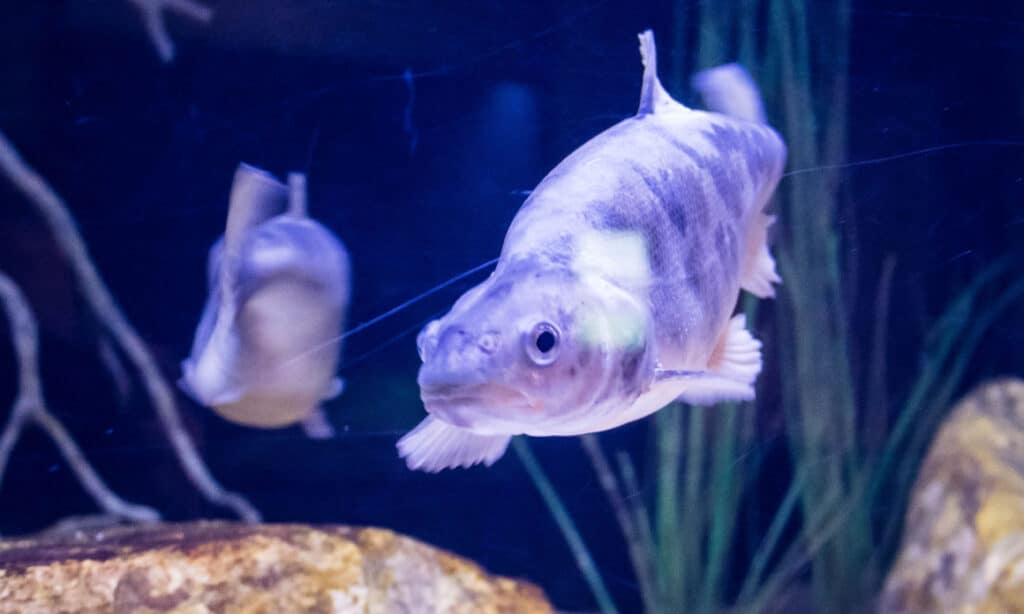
(267, 345)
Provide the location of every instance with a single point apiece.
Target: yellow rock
(963, 543)
(215, 567)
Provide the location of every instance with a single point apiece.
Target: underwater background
(421, 128)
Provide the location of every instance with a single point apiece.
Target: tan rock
(963, 543)
(207, 567)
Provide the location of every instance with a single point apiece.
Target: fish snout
(426, 341)
(458, 347)
(442, 377)
(458, 358)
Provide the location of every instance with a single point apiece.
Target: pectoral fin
(706, 388)
(738, 354)
(206, 392)
(316, 425)
(734, 366)
(209, 375)
(435, 445)
(334, 388)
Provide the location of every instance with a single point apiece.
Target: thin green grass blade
(940, 402)
(941, 341)
(771, 539)
(668, 526)
(694, 513)
(726, 486)
(565, 523)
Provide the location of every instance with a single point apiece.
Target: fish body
(266, 350)
(615, 288)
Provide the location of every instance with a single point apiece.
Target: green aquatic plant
(836, 527)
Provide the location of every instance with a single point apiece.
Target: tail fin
(256, 196)
(730, 90)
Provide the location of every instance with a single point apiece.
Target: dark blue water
(420, 127)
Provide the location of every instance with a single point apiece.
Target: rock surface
(224, 567)
(963, 544)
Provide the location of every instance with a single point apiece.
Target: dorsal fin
(256, 196)
(652, 95)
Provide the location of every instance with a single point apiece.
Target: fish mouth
(468, 405)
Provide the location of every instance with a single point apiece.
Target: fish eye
(546, 341)
(542, 344)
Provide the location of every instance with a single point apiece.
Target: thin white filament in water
(461, 276)
(907, 154)
(394, 310)
(408, 331)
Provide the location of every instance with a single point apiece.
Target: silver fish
(615, 289)
(265, 352)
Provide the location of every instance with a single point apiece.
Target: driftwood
(153, 13)
(30, 408)
(126, 340)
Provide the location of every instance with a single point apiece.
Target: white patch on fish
(264, 353)
(616, 286)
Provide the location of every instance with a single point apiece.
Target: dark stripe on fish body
(749, 141)
(681, 205)
(670, 197)
(708, 254)
(717, 168)
(677, 214)
(726, 244)
(630, 366)
(654, 186)
(668, 210)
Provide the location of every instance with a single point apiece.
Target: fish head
(534, 348)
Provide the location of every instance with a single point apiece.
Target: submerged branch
(161, 394)
(152, 13)
(30, 407)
